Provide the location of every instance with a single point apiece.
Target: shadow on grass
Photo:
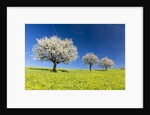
(99, 70)
(64, 71)
(40, 69)
(48, 69)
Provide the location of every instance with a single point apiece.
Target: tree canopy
(105, 62)
(55, 49)
(90, 59)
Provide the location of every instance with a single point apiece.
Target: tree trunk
(54, 67)
(90, 67)
(106, 68)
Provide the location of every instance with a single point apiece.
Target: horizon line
(71, 68)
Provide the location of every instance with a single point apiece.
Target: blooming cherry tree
(55, 50)
(106, 62)
(90, 59)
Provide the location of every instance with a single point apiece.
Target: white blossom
(90, 59)
(106, 62)
(55, 49)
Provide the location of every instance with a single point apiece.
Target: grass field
(71, 79)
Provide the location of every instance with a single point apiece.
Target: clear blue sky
(101, 39)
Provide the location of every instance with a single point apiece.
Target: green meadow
(72, 79)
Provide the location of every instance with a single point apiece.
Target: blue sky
(101, 39)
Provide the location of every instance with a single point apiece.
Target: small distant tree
(90, 59)
(105, 62)
(55, 50)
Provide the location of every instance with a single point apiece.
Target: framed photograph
(76, 57)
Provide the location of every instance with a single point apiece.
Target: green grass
(71, 79)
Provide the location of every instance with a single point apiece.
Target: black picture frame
(93, 3)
